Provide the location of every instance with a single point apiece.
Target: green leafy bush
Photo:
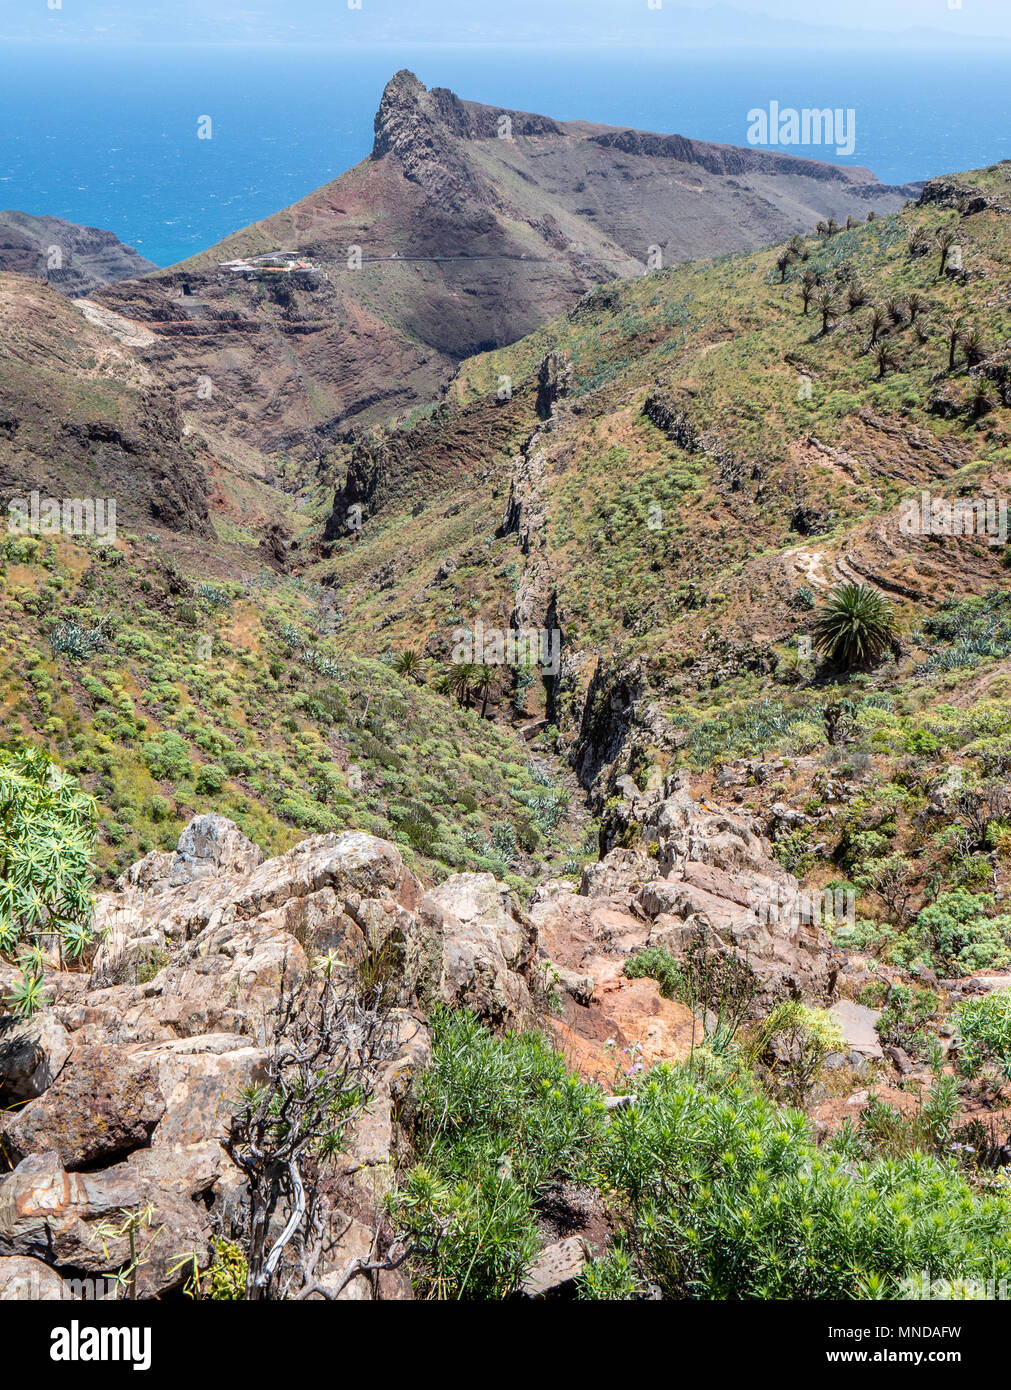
(498, 1121)
(655, 963)
(906, 1018)
(984, 1027)
(168, 757)
(959, 933)
(730, 1198)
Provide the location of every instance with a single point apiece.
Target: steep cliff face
(81, 418)
(74, 260)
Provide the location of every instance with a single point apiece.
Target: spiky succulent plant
(47, 838)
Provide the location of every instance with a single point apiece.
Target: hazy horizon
(454, 22)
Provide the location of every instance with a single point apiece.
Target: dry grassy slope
(491, 237)
(80, 416)
(675, 553)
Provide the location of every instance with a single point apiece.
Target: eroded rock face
(129, 1077)
(75, 1220)
(707, 871)
(106, 1103)
(488, 946)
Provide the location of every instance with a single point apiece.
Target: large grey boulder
(488, 946)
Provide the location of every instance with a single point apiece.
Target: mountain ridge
(70, 258)
(448, 240)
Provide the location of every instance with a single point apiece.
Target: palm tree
(884, 356)
(808, 285)
(918, 244)
(408, 664)
(916, 304)
(974, 346)
(856, 296)
(484, 678)
(826, 306)
(982, 402)
(953, 329)
(783, 263)
(855, 627)
(896, 310)
(462, 675)
(877, 322)
(946, 239)
(797, 247)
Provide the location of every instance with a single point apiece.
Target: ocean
(107, 135)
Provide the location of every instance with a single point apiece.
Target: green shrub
(211, 778)
(958, 932)
(984, 1027)
(801, 1038)
(906, 1018)
(498, 1121)
(168, 757)
(655, 963)
(730, 1198)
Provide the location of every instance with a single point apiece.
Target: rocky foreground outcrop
(119, 1095)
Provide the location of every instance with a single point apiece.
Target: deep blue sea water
(107, 136)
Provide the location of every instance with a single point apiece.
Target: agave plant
(47, 838)
(855, 626)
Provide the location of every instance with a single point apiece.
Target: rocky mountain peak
(404, 116)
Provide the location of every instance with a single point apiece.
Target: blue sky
(500, 21)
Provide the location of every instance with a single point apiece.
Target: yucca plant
(854, 627)
(47, 838)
